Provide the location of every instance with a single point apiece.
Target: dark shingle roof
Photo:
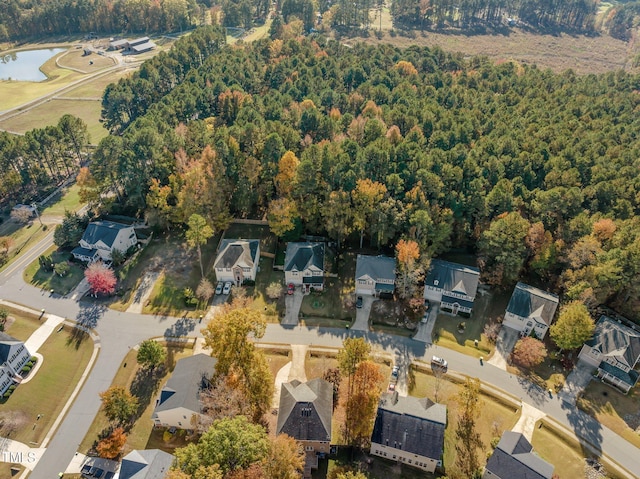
(305, 410)
(301, 256)
(453, 277)
(452, 300)
(616, 341)
(186, 382)
(376, 267)
(514, 458)
(8, 344)
(146, 464)
(80, 251)
(529, 302)
(630, 378)
(105, 231)
(411, 424)
(237, 251)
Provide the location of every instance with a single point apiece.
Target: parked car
(427, 304)
(290, 288)
(219, 287)
(395, 371)
(227, 288)
(392, 387)
(359, 302)
(425, 318)
(438, 362)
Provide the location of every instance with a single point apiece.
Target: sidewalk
(15, 452)
(40, 335)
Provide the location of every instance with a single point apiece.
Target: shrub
(166, 436)
(189, 297)
(33, 359)
(26, 368)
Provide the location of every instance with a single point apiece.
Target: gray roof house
(452, 285)
(531, 310)
(410, 430)
(375, 275)
(101, 238)
(13, 356)
(304, 265)
(179, 399)
(305, 414)
(514, 458)
(615, 351)
(237, 260)
(146, 464)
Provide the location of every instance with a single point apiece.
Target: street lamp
(35, 208)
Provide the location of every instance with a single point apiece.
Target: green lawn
(65, 360)
(46, 280)
(23, 236)
(610, 407)
(24, 324)
(272, 308)
(68, 201)
(95, 87)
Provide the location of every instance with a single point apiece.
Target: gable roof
(514, 457)
(146, 464)
(184, 386)
(301, 256)
(616, 341)
(376, 267)
(529, 302)
(105, 231)
(410, 424)
(8, 344)
(239, 252)
(305, 410)
(453, 277)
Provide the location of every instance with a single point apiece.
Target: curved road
(120, 331)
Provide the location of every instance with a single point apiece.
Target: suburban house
(530, 310)
(304, 265)
(452, 285)
(146, 464)
(237, 260)
(305, 415)
(179, 402)
(410, 430)
(375, 275)
(514, 457)
(13, 357)
(102, 238)
(615, 351)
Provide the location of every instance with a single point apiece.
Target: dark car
(359, 302)
(290, 288)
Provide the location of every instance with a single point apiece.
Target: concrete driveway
(292, 303)
(362, 314)
(507, 339)
(576, 381)
(424, 334)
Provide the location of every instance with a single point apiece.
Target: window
(305, 411)
(308, 448)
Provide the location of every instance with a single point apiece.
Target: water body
(25, 65)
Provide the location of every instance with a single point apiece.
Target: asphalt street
(119, 332)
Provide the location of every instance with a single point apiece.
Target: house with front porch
(304, 265)
(102, 238)
(530, 310)
(452, 285)
(13, 357)
(375, 275)
(615, 351)
(409, 430)
(237, 260)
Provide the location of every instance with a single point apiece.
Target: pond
(25, 65)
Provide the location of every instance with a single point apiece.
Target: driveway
(575, 383)
(424, 334)
(292, 303)
(362, 314)
(507, 339)
(143, 292)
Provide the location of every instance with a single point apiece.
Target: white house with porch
(102, 238)
(530, 310)
(304, 265)
(452, 285)
(375, 275)
(615, 351)
(237, 260)
(13, 356)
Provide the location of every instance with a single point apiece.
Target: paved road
(121, 331)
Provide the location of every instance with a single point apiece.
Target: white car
(395, 371)
(219, 287)
(227, 288)
(438, 362)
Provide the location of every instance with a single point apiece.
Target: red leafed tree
(100, 278)
(111, 446)
(529, 352)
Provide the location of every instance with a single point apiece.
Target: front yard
(47, 279)
(19, 324)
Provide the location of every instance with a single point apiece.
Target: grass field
(69, 201)
(95, 88)
(46, 280)
(75, 58)
(64, 362)
(23, 237)
(50, 112)
(23, 325)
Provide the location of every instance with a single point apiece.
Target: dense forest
(536, 170)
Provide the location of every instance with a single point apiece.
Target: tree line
(535, 169)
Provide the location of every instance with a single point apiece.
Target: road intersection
(120, 331)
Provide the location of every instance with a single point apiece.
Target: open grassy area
(37, 276)
(23, 237)
(613, 409)
(95, 88)
(143, 385)
(22, 325)
(68, 201)
(316, 364)
(65, 359)
(49, 113)
(272, 308)
(277, 359)
(75, 58)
